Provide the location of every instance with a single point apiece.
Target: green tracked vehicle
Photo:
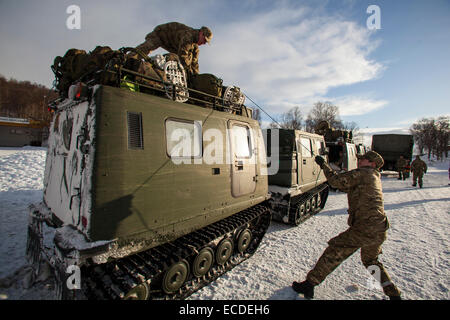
(391, 147)
(146, 197)
(297, 185)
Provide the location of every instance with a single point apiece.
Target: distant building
(15, 132)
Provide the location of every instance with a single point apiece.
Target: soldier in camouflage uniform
(367, 221)
(418, 168)
(179, 39)
(401, 167)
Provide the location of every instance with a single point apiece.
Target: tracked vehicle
(342, 152)
(147, 197)
(391, 147)
(298, 187)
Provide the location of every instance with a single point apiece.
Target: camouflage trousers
(417, 176)
(343, 246)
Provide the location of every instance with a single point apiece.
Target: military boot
(304, 287)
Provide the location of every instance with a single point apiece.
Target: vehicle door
(352, 160)
(243, 159)
(306, 160)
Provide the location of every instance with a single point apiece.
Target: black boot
(304, 287)
(395, 298)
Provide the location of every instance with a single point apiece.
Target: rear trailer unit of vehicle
(297, 185)
(148, 197)
(391, 147)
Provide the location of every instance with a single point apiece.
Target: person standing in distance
(367, 222)
(418, 168)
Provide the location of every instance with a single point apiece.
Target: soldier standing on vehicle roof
(179, 39)
(401, 167)
(367, 220)
(418, 167)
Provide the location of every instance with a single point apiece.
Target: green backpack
(77, 64)
(207, 83)
(65, 69)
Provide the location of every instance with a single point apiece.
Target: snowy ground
(416, 253)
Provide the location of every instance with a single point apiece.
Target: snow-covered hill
(416, 253)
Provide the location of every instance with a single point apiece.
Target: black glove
(319, 160)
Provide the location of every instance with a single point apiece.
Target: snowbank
(416, 253)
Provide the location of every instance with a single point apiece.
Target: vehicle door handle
(239, 165)
(304, 161)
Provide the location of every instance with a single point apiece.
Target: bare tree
(358, 136)
(323, 111)
(443, 135)
(293, 119)
(432, 135)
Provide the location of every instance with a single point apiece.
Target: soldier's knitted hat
(374, 157)
(207, 33)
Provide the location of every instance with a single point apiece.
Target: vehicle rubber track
(300, 200)
(113, 280)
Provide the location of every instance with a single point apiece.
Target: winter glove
(319, 160)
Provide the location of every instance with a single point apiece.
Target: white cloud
(355, 105)
(288, 57)
(281, 58)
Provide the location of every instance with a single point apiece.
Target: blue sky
(280, 53)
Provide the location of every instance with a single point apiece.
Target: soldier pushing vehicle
(418, 168)
(367, 220)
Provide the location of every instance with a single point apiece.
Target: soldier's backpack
(207, 83)
(78, 65)
(155, 76)
(65, 68)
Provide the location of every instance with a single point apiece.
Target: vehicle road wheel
(224, 251)
(313, 205)
(175, 277)
(140, 292)
(308, 206)
(299, 213)
(203, 262)
(244, 240)
(318, 201)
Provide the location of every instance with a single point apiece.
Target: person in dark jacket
(418, 168)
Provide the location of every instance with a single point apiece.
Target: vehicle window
(241, 141)
(184, 138)
(305, 147)
(319, 146)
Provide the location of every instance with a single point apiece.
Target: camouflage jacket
(365, 197)
(182, 40)
(418, 166)
(401, 163)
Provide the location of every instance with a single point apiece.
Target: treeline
(23, 99)
(295, 119)
(432, 135)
